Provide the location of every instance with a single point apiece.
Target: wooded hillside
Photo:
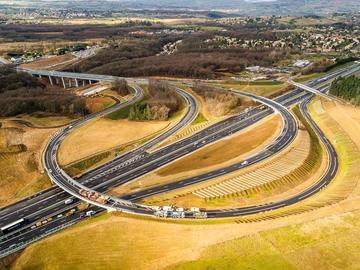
(20, 93)
(347, 88)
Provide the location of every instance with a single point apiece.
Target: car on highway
(68, 201)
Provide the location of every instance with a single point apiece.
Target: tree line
(160, 103)
(194, 58)
(121, 87)
(219, 102)
(347, 88)
(20, 93)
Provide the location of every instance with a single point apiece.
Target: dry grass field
(204, 119)
(50, 63)
(26, 45)
(117, 242)
(104, 134)
(283, 175)
(319, 233)
(266, 89)
(342, 194)
(20, 161)
(223, 151)
(95, 104)
(46, 121)
(214, 156)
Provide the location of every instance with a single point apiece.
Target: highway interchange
(134, 164)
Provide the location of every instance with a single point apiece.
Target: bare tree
(121, 87)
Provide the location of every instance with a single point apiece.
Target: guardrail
(22, 245)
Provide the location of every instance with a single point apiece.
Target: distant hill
(242, 7)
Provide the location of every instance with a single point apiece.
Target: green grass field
(199, 119)
(83, 165)
(119, 114)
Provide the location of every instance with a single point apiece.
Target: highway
(40, 202)
(54, 209)
(318, 186)
(287, 135)
(45, 201)
(156, 159)
(116, 179)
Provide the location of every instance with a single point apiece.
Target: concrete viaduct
(68, 79)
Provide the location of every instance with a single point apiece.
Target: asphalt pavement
(22, 238)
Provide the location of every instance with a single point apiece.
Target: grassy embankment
(204, 119)
(324, 243)
(325, 238)
(260, 88)
(341, 128)
(199, 119)
(214, 156)
(99, 103)
(304, 173)
(327, 243)
(54, 62)
(21, 171)
(103, 139)
(113, 134)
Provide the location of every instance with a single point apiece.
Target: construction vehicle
(93, 196)
(167, 208)
(194, 209)
(177, 214)
(200, 215)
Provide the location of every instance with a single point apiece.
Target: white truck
(167, 208)
(90, 213)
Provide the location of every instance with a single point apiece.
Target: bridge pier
(51, 81)
(76, 82)
(63, 81)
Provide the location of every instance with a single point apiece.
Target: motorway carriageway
(43, 204)
(54, 224)
(29, 234)
(330, 173)
(165, 155)
(56, 195)
(156, 162)
(58, 198)
(32, 207)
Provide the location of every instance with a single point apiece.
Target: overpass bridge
(310, 89)
(72, 79)
(68, 79)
